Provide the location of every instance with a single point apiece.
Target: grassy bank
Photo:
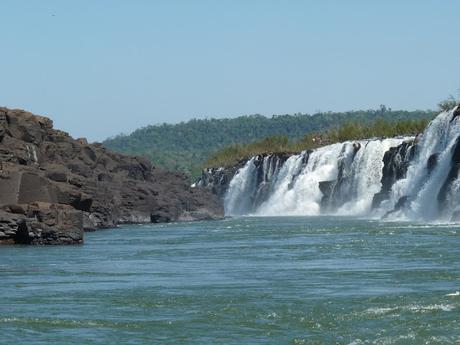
(381, 128)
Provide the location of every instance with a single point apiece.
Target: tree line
(187, 146)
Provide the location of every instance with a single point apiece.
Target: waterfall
(238, 197)
(340, 178)
(366, 176)
(252, 184)
(417, 196)
(394, 178)
(296, 191)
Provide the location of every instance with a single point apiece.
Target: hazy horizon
(100, 68)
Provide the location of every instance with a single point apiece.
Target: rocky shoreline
(53, 187)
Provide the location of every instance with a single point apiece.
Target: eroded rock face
(53, 186)
(217, 180)
(396, 161)
(41, 223)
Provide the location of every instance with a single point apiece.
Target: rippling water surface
(286, 280)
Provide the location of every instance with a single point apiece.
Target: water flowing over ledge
(395, 178)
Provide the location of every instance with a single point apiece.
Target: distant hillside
(187, 145)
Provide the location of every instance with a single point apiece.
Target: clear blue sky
(98, 68)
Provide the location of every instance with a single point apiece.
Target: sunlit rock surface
(52, 186)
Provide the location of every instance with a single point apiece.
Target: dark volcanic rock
(216, 180)
(267, 165)
(396, 162)
(451, 177)
(43, 224)
(402, 202)
(52, 186)
(432, 162)
(455, 113)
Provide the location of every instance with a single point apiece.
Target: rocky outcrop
(41, 223)
(217, 180)
(52, 186)
(396, 161)
(451, 177)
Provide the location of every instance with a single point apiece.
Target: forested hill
(187, 145)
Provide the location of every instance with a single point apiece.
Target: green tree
(448, 104)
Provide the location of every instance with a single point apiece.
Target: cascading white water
(366, 174)
(238, 196)
(422, 183)
(294, 188)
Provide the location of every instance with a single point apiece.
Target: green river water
(280, 280)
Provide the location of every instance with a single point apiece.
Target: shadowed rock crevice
(22, 234)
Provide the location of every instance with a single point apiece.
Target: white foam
(454, 294)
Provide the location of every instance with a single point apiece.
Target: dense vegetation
(186, 146)
(448, 104)
(233, 154)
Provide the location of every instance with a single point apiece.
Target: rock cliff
(52, 187)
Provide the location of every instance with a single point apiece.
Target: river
(249, 280)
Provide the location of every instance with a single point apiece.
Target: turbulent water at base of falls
(390, 178)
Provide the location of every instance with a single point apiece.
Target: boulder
(432, 162)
